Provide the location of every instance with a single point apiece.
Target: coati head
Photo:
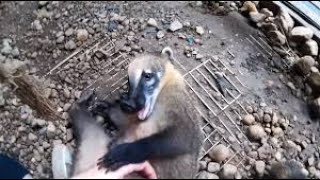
(147, 76)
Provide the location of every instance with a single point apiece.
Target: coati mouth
(144, 113)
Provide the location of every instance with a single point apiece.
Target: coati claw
(121, 155)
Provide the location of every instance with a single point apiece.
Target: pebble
(249, 109)
(260, 167)
(69, 32)
(219, 153)
(267, 118)
(248, 119)
(199, 57)
(6, 48)
(175, 25)
(70, 45)
(265, 151)
(82, 35)
(32, 137)
(200, 30)
(69, 135)
(203, 165)
(229, 171)
(278, 156)
(275, 118)
(213, 167)
(256, 132)
(206, 175)
(310, 48)
(301, 33)
(277, 131)
(37, 25)
(311, 161)
(152, 22)
(66, 107)
(51, 130)
(160, 34)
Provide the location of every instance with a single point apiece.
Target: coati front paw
(121, 155)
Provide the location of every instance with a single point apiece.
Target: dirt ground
(229, 39)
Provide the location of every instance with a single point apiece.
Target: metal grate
(220, 111)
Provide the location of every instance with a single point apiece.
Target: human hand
(145, 169)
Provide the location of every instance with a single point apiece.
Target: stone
(267, 118)
(277, 131)
(213, 167)
(265, 152)
(278, 156)
(219, 153)
(311, 161)
(249, 109)
(37, 25)
(32, 137)
(248, 119)
(303, 65)
(301, 34)
(160, 34)
(175, 26)
(66, 107)
(260, 167)
(42, 3)
(310, 47)
(51, 130)
(60, 39)
(275, 119)
(206, 175)
(229, 171)
(200, 30)
(286, 21)
(203, 165)
(199, 56)
(314, 82)
(69, 135)
(257, 17)
(6, 48)
(152, 22)
(277, 38)
(266, 11)
(82, 35)
(70, 45)
(69, 32)
(256, 132)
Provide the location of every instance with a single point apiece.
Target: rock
(203, 165)
(200, 30)
(229, 171)
(249, 109)
(311, 161)
(82, 35)
(291, 86)
(267, 118)
(277, 37)
(37, 25)
(314, 82)
(213, 167)
(199, 56)
(310, 47)
(303, 65)
(219, 153)
(51, 130)
(260, 167)
(69, 32)
(32, 137)
(175, 25)
(278, 156)
(248, 119)
(275, 119)
(160, 34)
(267, 27)
(66, 107)
(257, 17)
(152, 22)
(70, 45)
(286, 21)
(42, 3)
(301, 33)
(6, 48)
(318, 165)
(314, 69)
(60, 39)
(256, 132)
(277, 131)
(266, 12)
(265, 152)
(206, 175)
(69, 135)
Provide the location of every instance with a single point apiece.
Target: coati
(156, 120)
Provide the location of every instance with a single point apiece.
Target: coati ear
(168, 54)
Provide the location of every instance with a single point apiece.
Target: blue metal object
(11, 169)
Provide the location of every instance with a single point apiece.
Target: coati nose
(127, 105)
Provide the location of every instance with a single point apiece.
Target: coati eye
(148, 76)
